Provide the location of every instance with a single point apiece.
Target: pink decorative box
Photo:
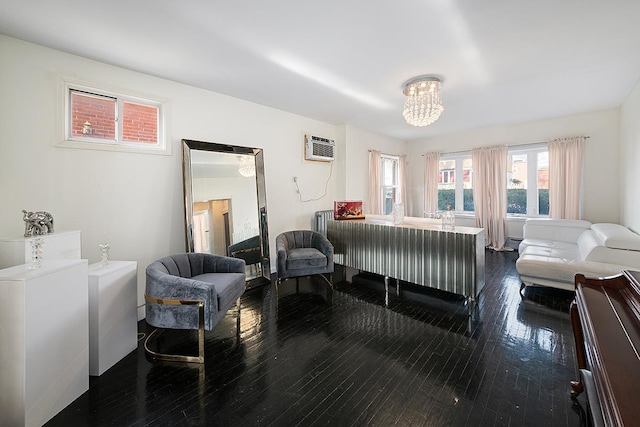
(348, 210)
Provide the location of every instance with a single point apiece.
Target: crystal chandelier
(423, 105)
(247, 166)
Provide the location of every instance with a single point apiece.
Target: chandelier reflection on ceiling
(423, 105)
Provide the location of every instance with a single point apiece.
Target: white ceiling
(342, 61)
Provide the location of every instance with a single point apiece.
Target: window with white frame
(105, 119)
(528, 181)
(455, 182)
(390, 182)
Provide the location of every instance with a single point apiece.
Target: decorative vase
(36, 253)
(448, 219)
(398, 213)
(104, 248)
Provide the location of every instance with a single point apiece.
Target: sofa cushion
(228, 288)
(556, 230)
(593, 249)
(302, 258)
(545, 244)
(562, 223)
(617, 236)
(563, 270)
(567, 252)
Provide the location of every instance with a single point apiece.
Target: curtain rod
(508, 146)
(386, 154)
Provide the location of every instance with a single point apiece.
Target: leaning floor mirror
(225, 204)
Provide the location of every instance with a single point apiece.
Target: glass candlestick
(36, 252)
(104, 248)
(398, 213)
(448, 219)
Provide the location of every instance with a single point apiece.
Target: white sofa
(554, 250)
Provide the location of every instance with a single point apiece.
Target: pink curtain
(565, 177)
(402, 181)
(375, 189)
(490, 194)
(431, 172)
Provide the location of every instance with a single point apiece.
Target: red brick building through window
(94, 117)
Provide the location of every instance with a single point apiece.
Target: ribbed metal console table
(417, 251)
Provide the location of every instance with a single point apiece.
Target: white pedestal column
(113, 320)
(44, 340)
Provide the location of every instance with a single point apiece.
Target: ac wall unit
(319, 149)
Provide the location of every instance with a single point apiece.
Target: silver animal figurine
(37, 223)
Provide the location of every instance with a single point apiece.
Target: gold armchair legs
(178, 357)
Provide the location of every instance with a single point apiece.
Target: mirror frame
(188, 146)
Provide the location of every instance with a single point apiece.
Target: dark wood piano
(606, 325)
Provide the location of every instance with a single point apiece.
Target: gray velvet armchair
(191, 291)
(304, 253)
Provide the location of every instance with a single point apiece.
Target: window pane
(389, 200)
(389, 171)
(389, 183)
(93, 116)
(447, 185)
(139, 123)
(543, 183)
(517, 184)
(467, 185)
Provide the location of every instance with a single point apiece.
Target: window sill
(510, 217)
(106, 146)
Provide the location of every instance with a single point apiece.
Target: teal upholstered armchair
(191, 291)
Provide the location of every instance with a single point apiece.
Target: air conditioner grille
(323, 150)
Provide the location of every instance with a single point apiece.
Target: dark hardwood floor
(420, 361)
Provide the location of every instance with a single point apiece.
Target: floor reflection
(414, 361)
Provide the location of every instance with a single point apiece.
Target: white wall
(601, 157)
(134, 201)
(630, 161)
(358, 144)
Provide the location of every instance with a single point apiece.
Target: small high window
(102, 119)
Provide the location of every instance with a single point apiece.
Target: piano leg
(576, 389)
(576, 386)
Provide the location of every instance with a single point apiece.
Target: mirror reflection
(224, 187)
